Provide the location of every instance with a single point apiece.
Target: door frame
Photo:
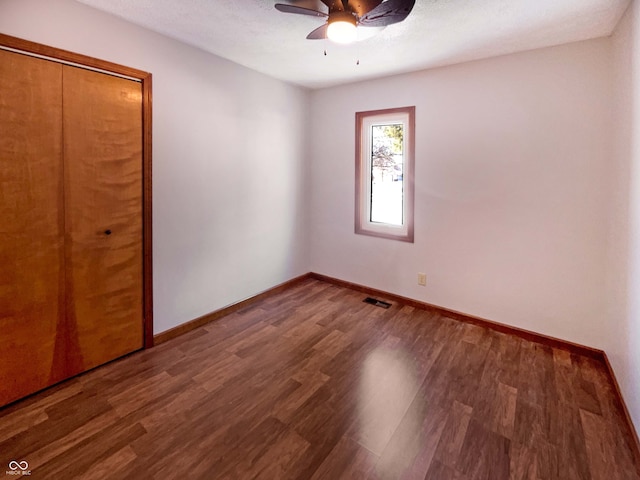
(64, 56)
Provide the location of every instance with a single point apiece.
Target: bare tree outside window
(387, 180)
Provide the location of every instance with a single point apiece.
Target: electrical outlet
(422, 279)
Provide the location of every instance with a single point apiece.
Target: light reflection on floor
(387, 386)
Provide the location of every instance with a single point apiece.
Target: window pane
(387, 180)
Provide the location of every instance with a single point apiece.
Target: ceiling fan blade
(387, 13)
(283, 7)
(319, 33)
(362, 7)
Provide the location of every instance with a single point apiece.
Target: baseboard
(465, 317)
(616, 386)
(210, 317)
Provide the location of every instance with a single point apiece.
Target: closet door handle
(107, 232)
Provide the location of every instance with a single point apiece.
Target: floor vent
(376, 302)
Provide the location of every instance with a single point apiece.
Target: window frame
(363, 224)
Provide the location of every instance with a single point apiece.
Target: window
(385, 145)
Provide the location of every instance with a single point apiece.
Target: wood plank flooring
(312, 383)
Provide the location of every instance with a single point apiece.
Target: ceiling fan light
(342, 29)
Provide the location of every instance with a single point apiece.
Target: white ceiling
(438, 32)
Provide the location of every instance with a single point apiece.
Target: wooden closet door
(31, 224)
(103, 215)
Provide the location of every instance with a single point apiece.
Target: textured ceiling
(438, 32)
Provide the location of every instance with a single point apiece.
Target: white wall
(229, 150)
(512, 166)
(623, 340)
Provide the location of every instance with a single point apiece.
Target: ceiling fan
(345, 16)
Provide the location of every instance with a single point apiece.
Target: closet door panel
(103, 205)
(31, 229)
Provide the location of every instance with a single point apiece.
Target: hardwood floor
(312, 383)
